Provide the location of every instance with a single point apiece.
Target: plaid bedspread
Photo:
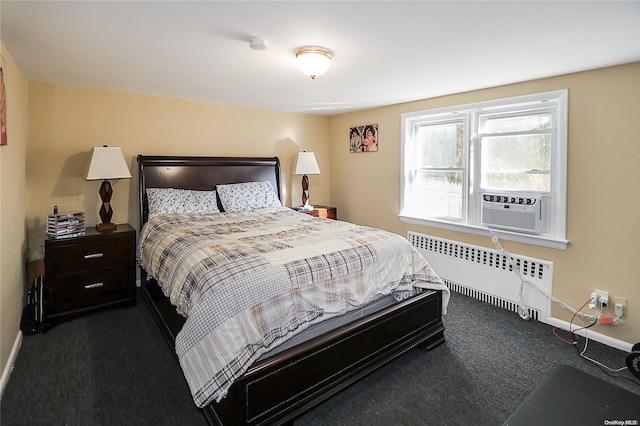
(247, 281)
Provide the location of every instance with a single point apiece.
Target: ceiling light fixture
(313, 61)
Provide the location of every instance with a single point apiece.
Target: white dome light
(313, 61)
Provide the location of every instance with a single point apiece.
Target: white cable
(582, 354)
(523, 312)
(522, 309)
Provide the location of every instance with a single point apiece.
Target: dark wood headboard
(202, 173)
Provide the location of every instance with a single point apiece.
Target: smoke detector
(258, 43)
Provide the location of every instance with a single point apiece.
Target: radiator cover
(487, 275)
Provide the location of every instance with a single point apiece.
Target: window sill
(538, 240)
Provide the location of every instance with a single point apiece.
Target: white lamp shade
(313, 61)
(306, 164)
(107, 162)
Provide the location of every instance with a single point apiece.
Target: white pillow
(247, 196)
(184, 201)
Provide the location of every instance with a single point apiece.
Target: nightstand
(320, 211)
(89, 272)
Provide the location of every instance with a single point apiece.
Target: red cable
(575, 336)
(576, 313)
(555, 333)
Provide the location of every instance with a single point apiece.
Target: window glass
(529, 122)
(440, 145)
(516, 162)
(436, 194)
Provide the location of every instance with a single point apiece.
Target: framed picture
(363, 138)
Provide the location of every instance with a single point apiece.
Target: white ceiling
(385, 52)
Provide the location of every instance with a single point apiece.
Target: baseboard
(8, 368)
(592, 335)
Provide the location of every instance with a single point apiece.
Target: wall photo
(363, 138)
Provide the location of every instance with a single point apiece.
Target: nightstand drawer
(90, 288)
(91, 255)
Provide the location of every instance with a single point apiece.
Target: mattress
(331, 324)
(249, 281)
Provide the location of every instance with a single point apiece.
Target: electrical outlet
(619, 310)
(615, 300)
(604, 298)
(600, 298)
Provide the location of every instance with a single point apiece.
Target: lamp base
(305, 190)
(105, 210)
(106, 227)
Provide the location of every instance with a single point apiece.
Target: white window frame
(555, 201)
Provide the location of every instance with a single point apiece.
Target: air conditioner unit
(512, 212)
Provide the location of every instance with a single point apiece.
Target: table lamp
(106, 163)
(306, 164)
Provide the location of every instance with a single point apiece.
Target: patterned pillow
(184, 201)
(247, 196)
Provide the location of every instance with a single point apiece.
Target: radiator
(487, 274)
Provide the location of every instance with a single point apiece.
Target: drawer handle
(93, 256)
(96, 285)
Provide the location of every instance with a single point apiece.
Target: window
(456, 162)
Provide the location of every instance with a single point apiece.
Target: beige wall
(603, 219)
(66, 122)
(13, 207)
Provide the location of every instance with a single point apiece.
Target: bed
(277, 383)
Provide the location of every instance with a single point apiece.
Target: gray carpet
(114, 368)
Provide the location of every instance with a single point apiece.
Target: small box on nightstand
(319, 211)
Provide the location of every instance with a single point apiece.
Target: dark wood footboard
(279, 389)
